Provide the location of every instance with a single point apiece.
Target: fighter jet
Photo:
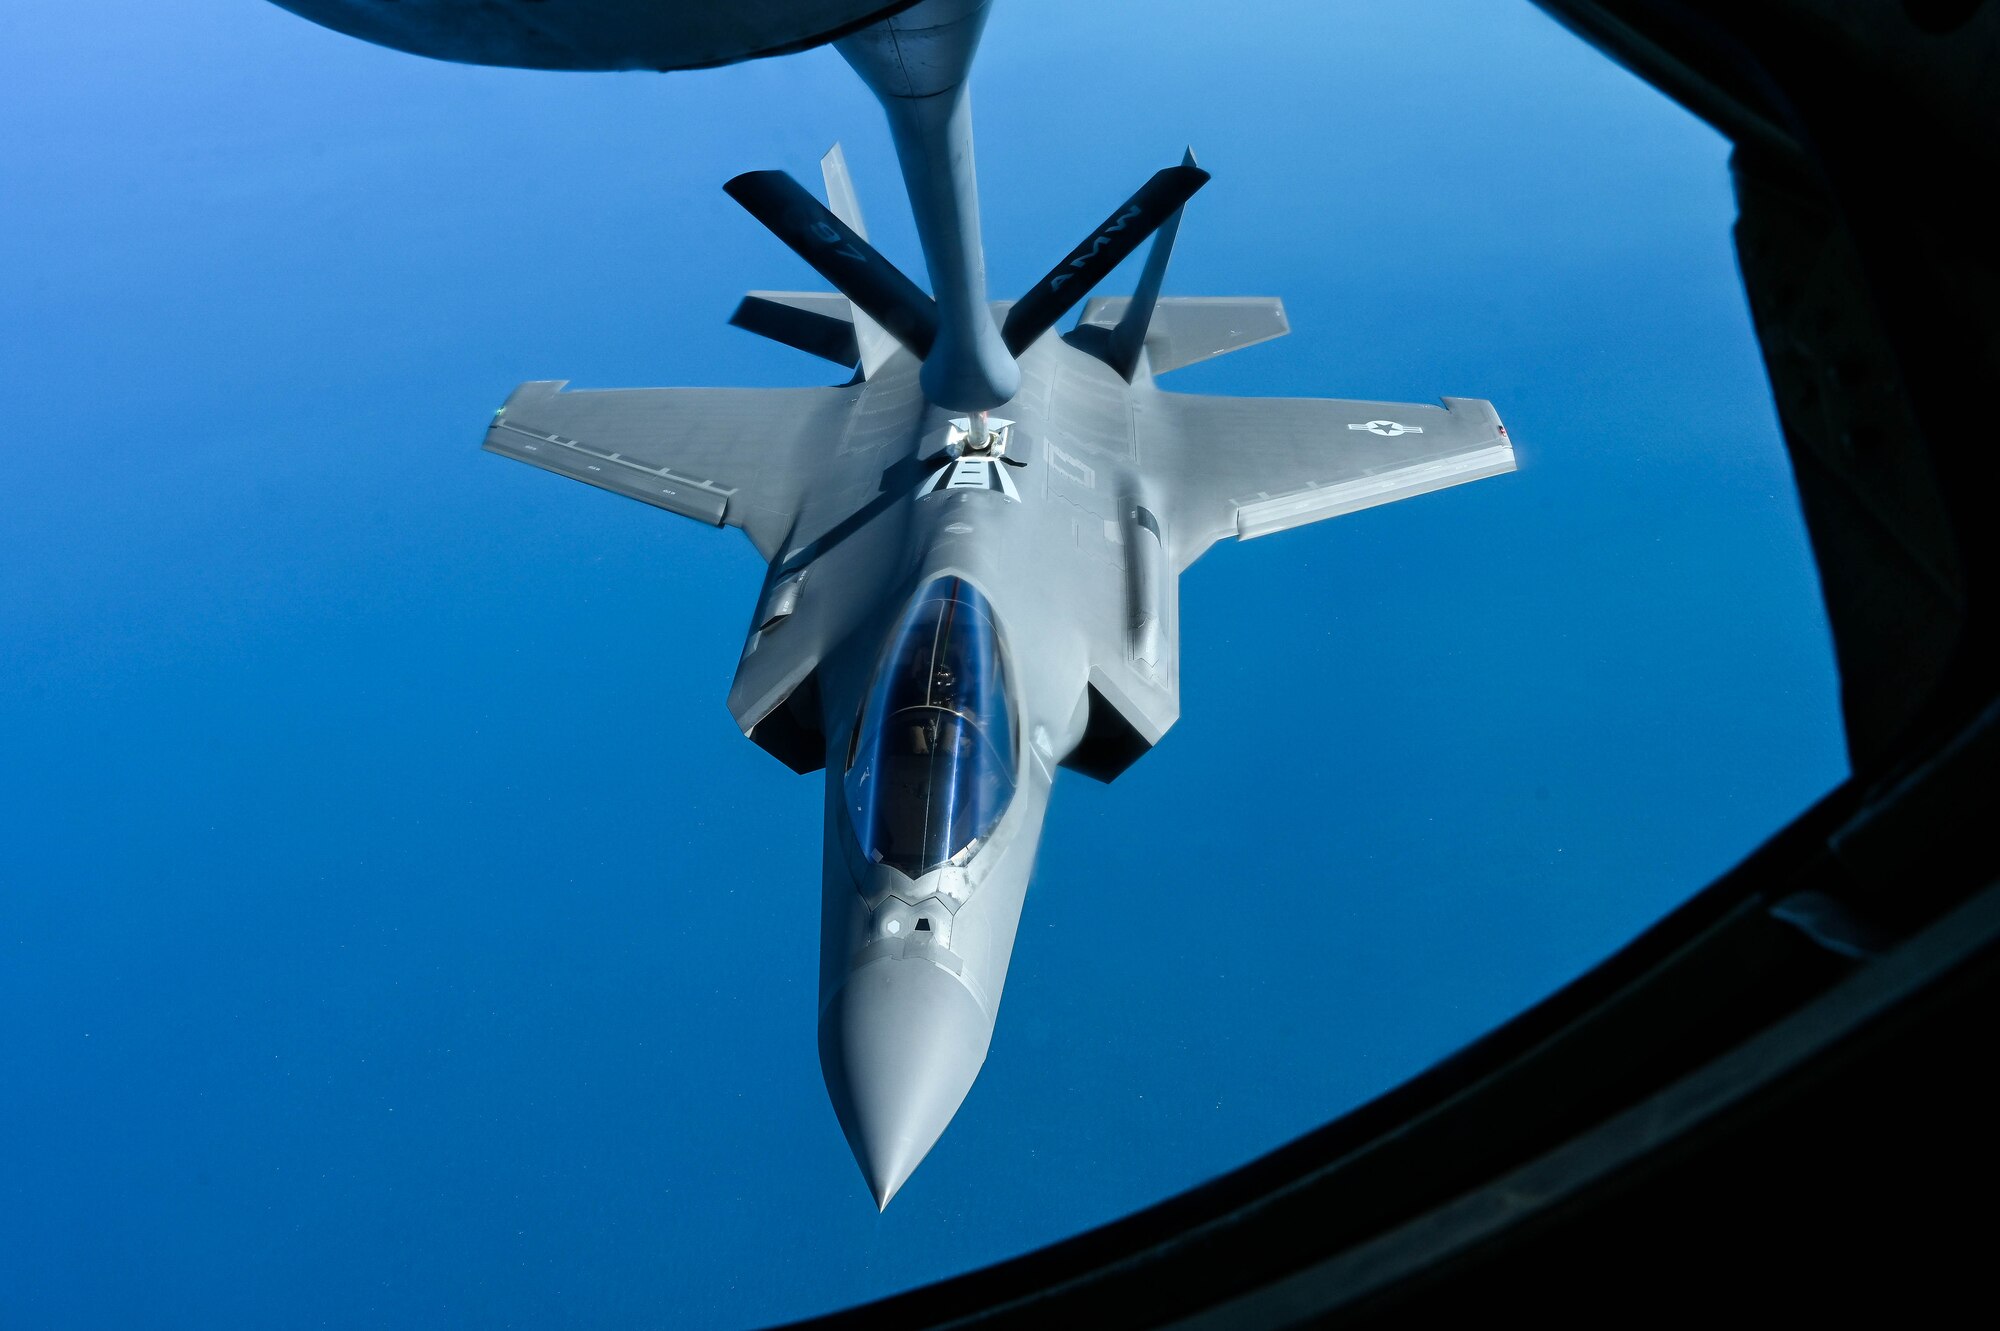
(974, 549)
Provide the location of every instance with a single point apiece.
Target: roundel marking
(1387, 429)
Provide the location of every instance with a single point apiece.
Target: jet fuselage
(914, 955)
(941, 633)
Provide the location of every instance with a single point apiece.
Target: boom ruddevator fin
(837, 253)
(872, 340)
(1103, 250)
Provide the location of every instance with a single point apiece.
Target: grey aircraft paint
(595, 34)
(958, 604)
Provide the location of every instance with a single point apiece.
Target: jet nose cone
(900, 1045)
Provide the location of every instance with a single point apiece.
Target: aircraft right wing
(726, 456)
(1250, 466)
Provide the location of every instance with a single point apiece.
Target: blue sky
(394, 929)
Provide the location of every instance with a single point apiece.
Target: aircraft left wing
(726, 456)
(1250, 466)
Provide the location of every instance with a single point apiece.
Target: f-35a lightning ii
(974, 546)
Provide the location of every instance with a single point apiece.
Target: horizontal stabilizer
(822, 325)
(840, 255)
(1105, 248)
(1187, 329)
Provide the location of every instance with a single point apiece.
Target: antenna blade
(1088, 264)
(837, 253)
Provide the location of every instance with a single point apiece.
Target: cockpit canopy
(932, 766)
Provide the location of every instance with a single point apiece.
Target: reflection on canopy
(932, 766)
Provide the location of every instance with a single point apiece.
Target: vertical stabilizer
(875, 343)
(1128, 339)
